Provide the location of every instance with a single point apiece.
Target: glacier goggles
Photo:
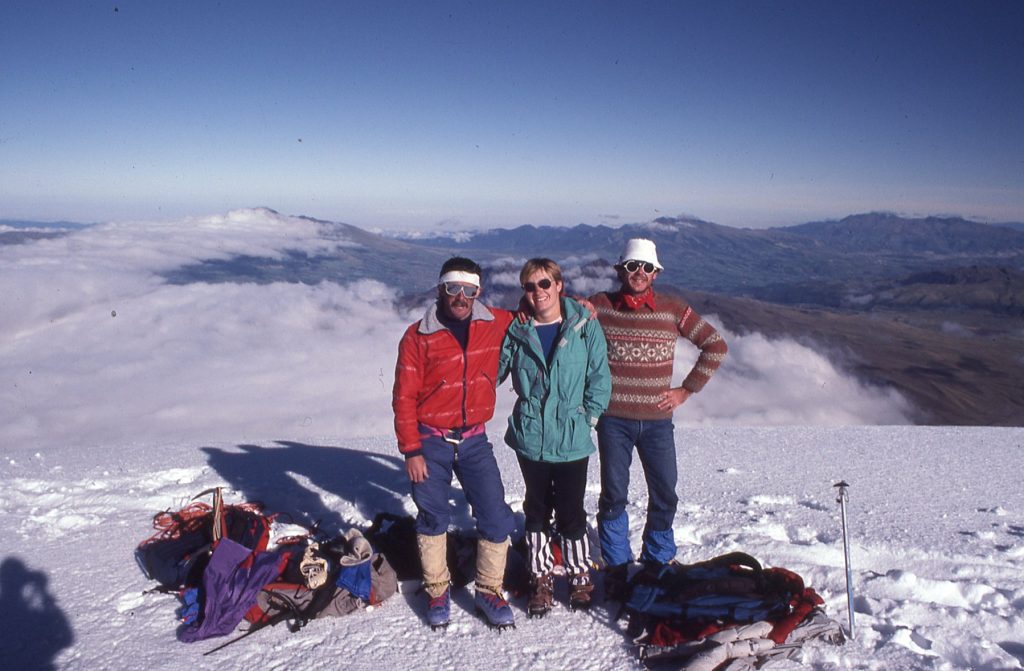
(530, 287)
(454, 289)
(633, 266)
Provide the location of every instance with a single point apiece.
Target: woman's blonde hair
(533, 265)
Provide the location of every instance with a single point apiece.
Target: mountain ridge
(756, 262)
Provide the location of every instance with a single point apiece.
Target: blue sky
(470, 114)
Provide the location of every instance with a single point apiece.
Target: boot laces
(493, 599)
(439, 601)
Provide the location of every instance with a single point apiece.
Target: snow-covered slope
(936, 517)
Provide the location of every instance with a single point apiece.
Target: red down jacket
(438, 384)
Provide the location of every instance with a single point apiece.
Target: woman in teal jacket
(559, 366)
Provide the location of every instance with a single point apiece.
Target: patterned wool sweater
(641, 348)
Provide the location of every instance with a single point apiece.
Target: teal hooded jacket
(558, 404)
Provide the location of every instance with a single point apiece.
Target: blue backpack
(732, 587)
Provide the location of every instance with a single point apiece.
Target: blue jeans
(655, 444)
(472, 461)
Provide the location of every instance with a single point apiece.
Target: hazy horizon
(442, 228)
(481, 115)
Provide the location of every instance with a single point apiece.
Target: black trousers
(559, 488)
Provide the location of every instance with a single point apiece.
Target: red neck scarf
(636, 302)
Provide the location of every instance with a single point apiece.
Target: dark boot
(580, 591)
(616, 582)
(542, 595)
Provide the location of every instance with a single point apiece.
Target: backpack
(176, 555)
(724, 613)
(732, 588)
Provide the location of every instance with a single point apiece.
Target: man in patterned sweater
(642, 329)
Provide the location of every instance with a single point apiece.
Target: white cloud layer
(95, 347)
(773, 382)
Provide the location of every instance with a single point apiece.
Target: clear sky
(469, 114)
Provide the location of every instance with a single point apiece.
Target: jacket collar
(573, 317)
(431, 324)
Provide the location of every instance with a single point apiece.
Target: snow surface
(121, 396)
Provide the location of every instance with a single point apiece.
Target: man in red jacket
(445, 384)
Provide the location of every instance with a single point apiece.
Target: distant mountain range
(774, 263)
(930, 306)
(1012, 225)
(25, 224)
(893, 235)
(807, 263)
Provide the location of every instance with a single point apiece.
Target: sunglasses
(633, 266)
(530, 287)
(467, 290)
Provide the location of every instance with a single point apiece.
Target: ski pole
(841, 499)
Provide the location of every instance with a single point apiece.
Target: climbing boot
(542, 595)
(616, 582)
(580, 591)
(492, 605)
(439, 610)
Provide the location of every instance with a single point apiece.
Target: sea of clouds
(96, 346)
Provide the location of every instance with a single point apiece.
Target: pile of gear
(217, 560)
(724, 614)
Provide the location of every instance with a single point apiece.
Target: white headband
(460, 276)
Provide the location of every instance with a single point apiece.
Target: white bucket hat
(641, 249)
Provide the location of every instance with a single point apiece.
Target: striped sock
(541, 559)
(576, 554)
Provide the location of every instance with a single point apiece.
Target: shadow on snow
(34, 627)
(295, 478)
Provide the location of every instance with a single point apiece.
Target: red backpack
(177, 553)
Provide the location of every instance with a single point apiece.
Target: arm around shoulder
(598, 392)
(507, 356)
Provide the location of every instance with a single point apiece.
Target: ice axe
(841, 499)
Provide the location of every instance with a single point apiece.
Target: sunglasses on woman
(633, 266)
(467, 290)
(530, 287)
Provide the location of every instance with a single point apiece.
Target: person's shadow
(34, 628)
(333, 487)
